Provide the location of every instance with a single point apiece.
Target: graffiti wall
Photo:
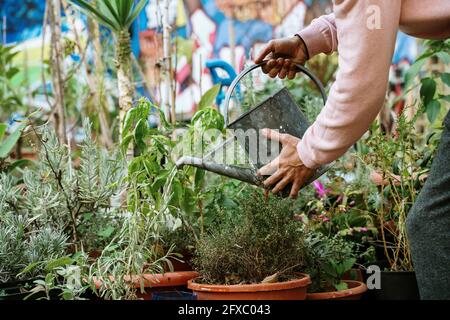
(201, 30)
(204, 29)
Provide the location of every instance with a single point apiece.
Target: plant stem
(124, 78)
(167, 60)
(57, 68)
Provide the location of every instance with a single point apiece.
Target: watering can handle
(301, 68)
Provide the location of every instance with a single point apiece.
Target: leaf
(160, 180)
(3, 127)
(90, 10)
(67, 295)
(64, 261)
(347, 265)
(341, 286)
(19, 163)
(8, 145)
(163, 119)
(446, 78)
(109, 10)
(199, 179)
(29, 268)
(129, 119)
(444, 56)
(107, 232)
(428, 90)
(413, 71)
(208, 98)
(271, 279)
(433, 110)
(137, 10)
(139, 134)
(445, 98)
(126, 142)
(187, 201)
(12, 72)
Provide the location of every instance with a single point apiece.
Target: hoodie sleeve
(365, 37)
(321, 35)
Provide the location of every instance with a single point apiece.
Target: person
(364, 33)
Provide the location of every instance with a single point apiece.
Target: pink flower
(324, 218)
(320, 189)
(363, 229)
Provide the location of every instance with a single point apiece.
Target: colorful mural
(201, 29)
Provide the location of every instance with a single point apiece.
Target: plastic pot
(397, 286)
(173, 295)
(355, 291)
(170, 281)
(288, 290)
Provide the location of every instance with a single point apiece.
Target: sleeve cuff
(305, 156)
(315, 38)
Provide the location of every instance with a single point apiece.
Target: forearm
(361, 82)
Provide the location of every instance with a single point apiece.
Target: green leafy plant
(55, 194)
(25, 248)
(117, 15)
(12, 90)
(403, 163)
(340, 208)
(157, 181)
(209, 97)
(65, 279)
(261, 242)
(7, 145)
(329, 258)
(431, 97)
(135, 251)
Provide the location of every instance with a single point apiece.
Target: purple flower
(320, 189)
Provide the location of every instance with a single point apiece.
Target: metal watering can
(278, 112)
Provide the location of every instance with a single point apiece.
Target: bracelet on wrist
(304, 44)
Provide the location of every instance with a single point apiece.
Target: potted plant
(401, 179)
(255, 254)
(25, 250)
(133, 265)
(329, 261)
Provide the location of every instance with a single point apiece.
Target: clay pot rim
(159, 280)
(258, 287)
(357, 288)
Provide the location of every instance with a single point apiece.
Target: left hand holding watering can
(287, 168)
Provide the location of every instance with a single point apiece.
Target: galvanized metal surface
(278, 112)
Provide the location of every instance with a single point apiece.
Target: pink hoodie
(364, 32)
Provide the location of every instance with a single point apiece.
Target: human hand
(287, 167)
(283, 55)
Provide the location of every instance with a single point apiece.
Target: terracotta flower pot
(156, 282)
(354, 292)
(288, 290)
(183, 265)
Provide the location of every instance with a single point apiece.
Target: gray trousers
(428, 226)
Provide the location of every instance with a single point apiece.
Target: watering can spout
(239, 173)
